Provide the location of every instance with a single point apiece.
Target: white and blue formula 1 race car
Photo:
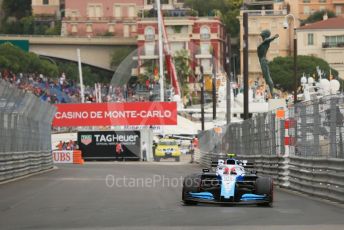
(229, 184)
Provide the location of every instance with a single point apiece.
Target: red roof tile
(331, 23)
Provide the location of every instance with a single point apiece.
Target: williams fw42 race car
(229, 184)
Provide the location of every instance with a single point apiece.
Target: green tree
(16, 8)
(17, 60)
(318, 16)
(282, 70)
(90, 74)
(119, 54)
(182, 63)
(24, 25)
(27, 25)
(149, 67)
(229, 11)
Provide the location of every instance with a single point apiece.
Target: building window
(149, 34)
(45, 2)
(74, 28)
(94, 11)
(205, 48)
(306, 1)
(117, 11)
(111, 28)
(169, 30)
(310, 39)
(152, 2)
(205, 33)
(306, 10)
(89, 28)
(322, 1)
(149, 48)
(177, 46)
(131, 11)
(338, 10)
(334, 41)
(206, 64)
(74, 13)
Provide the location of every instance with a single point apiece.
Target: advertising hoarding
(109, 145)
(116, 114)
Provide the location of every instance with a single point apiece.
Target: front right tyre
(264, 186)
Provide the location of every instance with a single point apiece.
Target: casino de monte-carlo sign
(116, 114)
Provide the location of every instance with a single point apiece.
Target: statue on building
(262, 51)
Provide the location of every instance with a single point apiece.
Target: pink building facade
(101, 17)
(202, 38)
(107, 17)
(45, 7)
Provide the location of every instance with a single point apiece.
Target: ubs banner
(109, 145)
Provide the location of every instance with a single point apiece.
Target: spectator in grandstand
(64, 146)
(59, 145)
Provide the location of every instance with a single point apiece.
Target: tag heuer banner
(109, 145)
(114, 114)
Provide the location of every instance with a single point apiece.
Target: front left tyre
(190, 184)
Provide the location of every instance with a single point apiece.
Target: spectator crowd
(63, 90)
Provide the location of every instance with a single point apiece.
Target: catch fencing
(25, 133)
(303, 152)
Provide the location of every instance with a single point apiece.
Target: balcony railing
(69, 18)
(264, 12)
(332, 45)
(173, 13)
(258, 2)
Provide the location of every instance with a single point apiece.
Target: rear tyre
(157, 159)
(191, 184)
(177, 159)
(264, 186)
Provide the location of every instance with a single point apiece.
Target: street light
(286, 26)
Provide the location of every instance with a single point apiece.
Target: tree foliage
(282, 70)
(17, 60)
(90, 74)
(18, 20)
(318, 16)
(17, 8)
(229, 10)
(119, 54)
(182, 63)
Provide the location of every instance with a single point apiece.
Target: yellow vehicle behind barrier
(167, 148)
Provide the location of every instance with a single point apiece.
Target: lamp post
(286, 26)
(202, 96)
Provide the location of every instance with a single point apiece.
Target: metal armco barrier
(13, 165)
(25, 133)
(318, 177)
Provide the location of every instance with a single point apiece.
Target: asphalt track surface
(80, 197)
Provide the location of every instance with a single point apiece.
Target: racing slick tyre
(264, 186)
(191, 184)
(177, 159)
